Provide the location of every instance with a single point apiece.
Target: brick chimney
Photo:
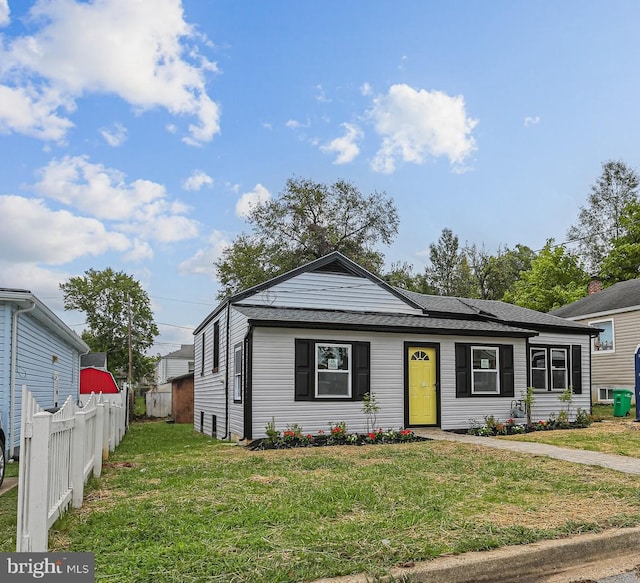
(595, 285)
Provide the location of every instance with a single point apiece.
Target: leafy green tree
(504, 270)
(623, 261)
(305, 222)
(600, 222)
(555, 279)
(401, 275)
(107, 299)
(448, 272)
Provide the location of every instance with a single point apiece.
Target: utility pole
(130, 374)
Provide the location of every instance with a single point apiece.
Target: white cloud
(141, 207)
(114, 136)
(33, 233)
(250, 199)
(345, 146)
(33, 112)
(366, 89)
(294, 124)
(202, 262)
(135, 50)
(141, 250)
(4, 12)
(530, 121)
(417, 124)
(321, 95)
(197, 180)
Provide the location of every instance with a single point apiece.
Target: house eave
(389, 329)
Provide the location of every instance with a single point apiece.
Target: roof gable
(336, 263)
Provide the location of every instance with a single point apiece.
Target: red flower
(372, 435)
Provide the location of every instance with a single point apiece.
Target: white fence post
(77, 459)
(99, 436)
(105, 430)
(57, 454)
(38, 488)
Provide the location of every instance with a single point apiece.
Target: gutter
(12, 374)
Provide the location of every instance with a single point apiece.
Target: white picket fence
(58, 452)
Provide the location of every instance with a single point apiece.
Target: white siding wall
(169, 368)
(208, 391)
(273, 382)
(463, 413)
(331, 291)
(546, 402)
(209, 387)
(238, 328)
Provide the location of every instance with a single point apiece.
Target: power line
(175, 326)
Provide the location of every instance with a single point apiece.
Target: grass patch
(174, 505)
(617, 436)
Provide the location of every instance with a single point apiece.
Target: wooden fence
(58, 452)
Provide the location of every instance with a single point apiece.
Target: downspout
(12, 374)
(226, 374)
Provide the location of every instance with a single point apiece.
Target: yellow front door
(423, 400)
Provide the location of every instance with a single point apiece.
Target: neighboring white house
(616, 311)
(174, 364)
(305, 347)
(38, 350)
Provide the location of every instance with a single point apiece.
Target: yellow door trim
(422, 384)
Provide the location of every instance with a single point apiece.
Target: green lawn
(619, 436)
(173, 505)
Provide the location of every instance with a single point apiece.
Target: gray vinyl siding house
(616, 311)
(38, 350)
(305, 347)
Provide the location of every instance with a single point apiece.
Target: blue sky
(136, 135)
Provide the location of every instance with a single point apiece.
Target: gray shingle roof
(625, 294)
(186, 351)
(295, 317)
(94, 359)
(506, 313)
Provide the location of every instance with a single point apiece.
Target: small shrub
(271, 432)
(583, 419)
(370, 409)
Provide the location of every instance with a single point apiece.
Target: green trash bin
(621, 402)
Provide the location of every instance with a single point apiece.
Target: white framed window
(603, 343)
(559, 369)
(549, 368)
(605, 394)
(237, 373)
(538, 368)
(485, 368)
(333, 370)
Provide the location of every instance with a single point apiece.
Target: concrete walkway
(621, 463)
(8, 484)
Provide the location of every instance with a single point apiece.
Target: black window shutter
(216, 345)
(361, 369)
(463, 370)
(576, 368)
(304, 364)
(506, 370)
